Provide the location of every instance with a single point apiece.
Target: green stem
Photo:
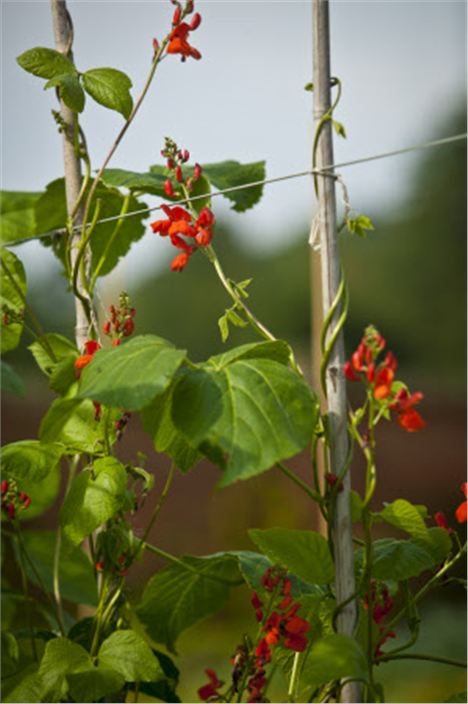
(81, 252)
(156, 510)
(294, 678)
(314, 495)
(172, 558)
(421, 656)
(58, 546)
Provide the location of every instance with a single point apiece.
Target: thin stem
(314, 495)
(172, 558)
(58, 546)
(156, 510)
(86, 236)
(294, 677)
(22, 547)
(423, 656)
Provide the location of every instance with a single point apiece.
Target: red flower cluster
(91, 347)
(121, 322)
(210, 690)
(179, 222)
(175, 159)
(381, 603)
(380, 377)
(178, 38)
(12, 498)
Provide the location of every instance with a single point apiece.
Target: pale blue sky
(402, 65)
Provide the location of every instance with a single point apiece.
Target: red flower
(178, 40)
(180, 224)
(383, 383)
(210, 690)
(442, 522)
(460, 513)
(349, 372)
(256, 601)
(411, 421)
(91, 347)
(180, 262)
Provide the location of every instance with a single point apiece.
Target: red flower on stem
(179, 224)
(211, 689)
(91, 347)
(441, 520)
(460, 513)
(178, 38)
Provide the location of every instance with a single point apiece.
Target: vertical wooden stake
(335, 382)
(63, 34)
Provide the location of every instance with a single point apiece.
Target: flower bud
(185, 156)
(106, 327)
(168, 189)
(197, 171)
(4, 487)
(195, 23)
(178, 174)
(155, 45)
(176, 15)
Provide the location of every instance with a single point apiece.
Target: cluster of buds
(381, 603)
(180, 222)
(175, 158)
(121, 321)
(119, 568)
(379, 377)
(10, 316)
(276, 613)
(178, 38)
(12, 498)
(121, 423)
(460, 513)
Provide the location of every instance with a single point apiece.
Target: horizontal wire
(324, 171)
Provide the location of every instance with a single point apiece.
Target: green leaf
(157, 422)
(397, 559)
(231, 173)
(277, 350)
(223, 324)
(17, 215)
(339, 129)
(332, 658)
(94, 683)
(61, 656)
(10, 381)
(257, 411)
(12, 294)
(132, 374)
(302, 552)
(93, 501)
(72, 423)
(164, 689)
(127, 652)
(63, 375)
(437, 543)
(110, 88)
(359, 225)
(29, 459)
(356, 506)
(459, 698)
(70, 90)
(235, 319)
(176, 597)
(76, 573)
(45, 63)
(149, 182)
(55, 356)
(42, 494)
(10, 654)
(402, 514)
(25, 687)
(201, 187)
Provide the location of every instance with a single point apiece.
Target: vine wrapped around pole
(331, 275)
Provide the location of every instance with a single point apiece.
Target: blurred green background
(409, 279)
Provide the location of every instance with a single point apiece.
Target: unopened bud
(185, 155)
(196, 19)
(197, 171)
(155, 45)
(168, 189)
(176, 15)
(178, 174)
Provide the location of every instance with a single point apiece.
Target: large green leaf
(302, 552)
(397, 559)
(278, 350)
(332, 658)
(93, 500)
(438, 543)
(177, 597)
(10, 380)
(72, 423)
(402, 514)
(227, 174)
(128, 653)
(93, 683)
(149, 182)
(29, 459)
(257, 411)
(157, 422)
(45, 63)
(76, 573)
(61, 656)
(110, 88)
(50, 349)
(132, 374)
(12, 295)
(17, 215)
(70, 90)
(24, 686)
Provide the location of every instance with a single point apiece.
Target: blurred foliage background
(409, 279)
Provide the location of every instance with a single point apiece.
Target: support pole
(63, 34)
(335, 382)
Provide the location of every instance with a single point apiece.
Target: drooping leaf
(29, 459)
(332, 658)
(72, 423)
(231, 173)
(12, 295)
(70, 90)
(128, 653)
(17, 215)
(45, 63)
(157, 422)
(132, 374)
(177, 597)
(91, 501)
(94, 683)
(10, 380)
(402, 514)
(257, 411)
(397, 559)
(110, 88)
(76, 573)
(302, 552)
